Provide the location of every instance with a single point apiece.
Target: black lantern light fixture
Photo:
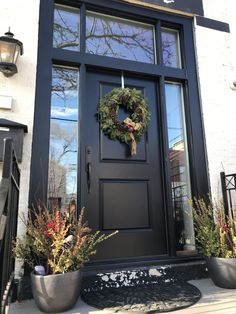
(10, 49)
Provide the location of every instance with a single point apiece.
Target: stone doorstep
(93, 281)
(116, 278)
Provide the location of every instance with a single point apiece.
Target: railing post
(7, 158)
(224, 193)
(9, 197)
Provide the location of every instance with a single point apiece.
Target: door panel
(121, 152)
(117, 212)
(126, 191)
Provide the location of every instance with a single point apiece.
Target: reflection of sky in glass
(174, 113)
(179, 166)
(119, 38)
(64, 102)
(63, 133)
(66, 28)
(63, 149)
(170, 48)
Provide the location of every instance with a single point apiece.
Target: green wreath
(133, 127)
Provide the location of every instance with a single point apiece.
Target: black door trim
(188, 76)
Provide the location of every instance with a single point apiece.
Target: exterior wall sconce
(233, 85)
(10, 49)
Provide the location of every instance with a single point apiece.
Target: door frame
(48, 56)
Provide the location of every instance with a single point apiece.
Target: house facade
(180, 56)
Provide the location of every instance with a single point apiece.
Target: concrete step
(115, 278)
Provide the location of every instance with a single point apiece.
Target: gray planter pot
(56, 293)
(222, 271)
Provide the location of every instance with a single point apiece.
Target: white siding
(22, 17)
(217, 69)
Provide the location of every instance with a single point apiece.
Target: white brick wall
(22, 17)
(217, 68)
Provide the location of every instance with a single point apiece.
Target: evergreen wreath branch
(134, 126)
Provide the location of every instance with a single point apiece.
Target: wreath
(133, 126)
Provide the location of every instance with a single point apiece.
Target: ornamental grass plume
(56, 240)
(215, 232)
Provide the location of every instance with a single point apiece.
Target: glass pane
(119, 38)
(7, 51)
(170, 48)
(62, 176)
(179, 164)
(66, 28)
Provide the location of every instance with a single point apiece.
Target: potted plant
(216, 240)
(56, 246)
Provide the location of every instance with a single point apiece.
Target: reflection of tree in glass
(66, 30)
(169, 53)
(63, 140)
(62, 154)
(56, 180)
(112, 37)
(64, 82)
(105, 35)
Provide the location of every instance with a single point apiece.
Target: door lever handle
(89, 171)
(88, 162)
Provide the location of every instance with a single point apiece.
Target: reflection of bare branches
(66, 137)
(103, 35)
(106, 36)
(64, 35)
(168, 50)
(63, 81)
(62, 143)
(56, 179)
(66, 150)
(112, 37)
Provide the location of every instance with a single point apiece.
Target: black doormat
(150, 298)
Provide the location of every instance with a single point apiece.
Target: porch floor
(214, 300)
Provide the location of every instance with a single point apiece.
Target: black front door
(125, 193)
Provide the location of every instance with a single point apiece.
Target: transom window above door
(119, 38)
(66, 28)
(111, 36)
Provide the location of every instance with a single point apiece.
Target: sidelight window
(62, 176)
(179, 165)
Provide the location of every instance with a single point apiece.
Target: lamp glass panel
(7, 51)
(16, 54)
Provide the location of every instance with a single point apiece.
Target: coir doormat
(149, 298)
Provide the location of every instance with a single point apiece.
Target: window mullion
(158, 45)
(83, 28)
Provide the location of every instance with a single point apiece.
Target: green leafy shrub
(215, 232)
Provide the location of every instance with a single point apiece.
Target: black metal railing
(9, 197)
(228, 185)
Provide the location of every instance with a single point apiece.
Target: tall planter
(56, 293)
(222, 271)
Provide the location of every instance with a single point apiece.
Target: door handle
(89, 171)
(88, 167)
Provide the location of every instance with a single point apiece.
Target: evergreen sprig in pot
(216, 240)
(56, 246)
